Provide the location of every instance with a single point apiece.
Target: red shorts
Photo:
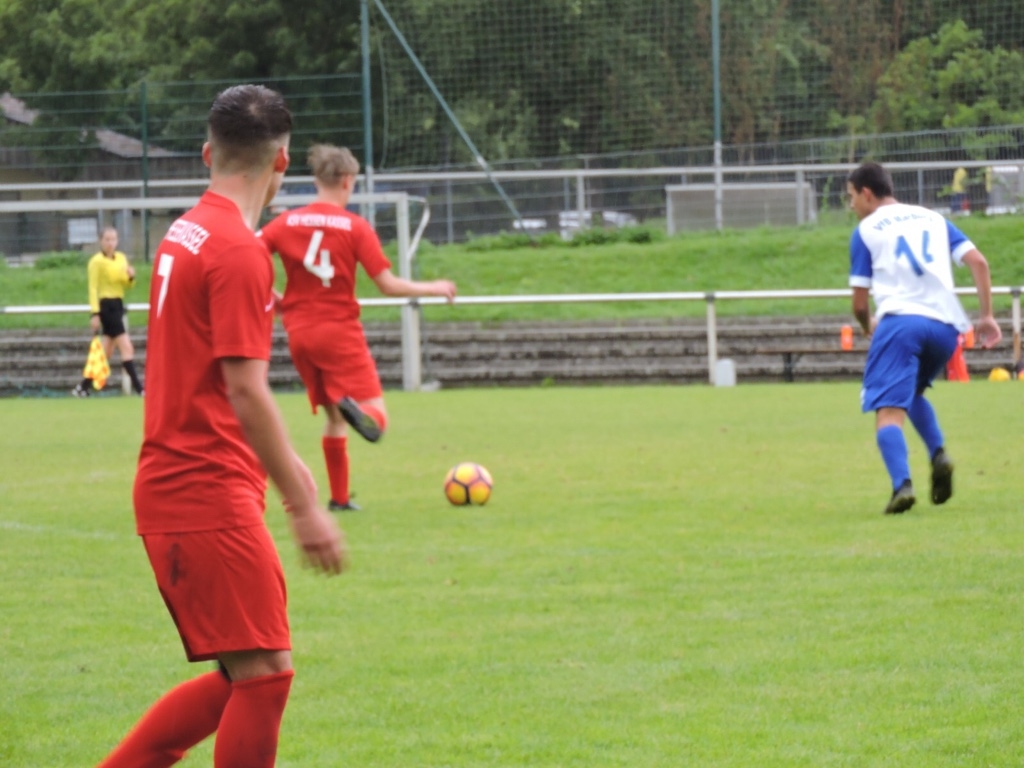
(224, 589)
(334, 361)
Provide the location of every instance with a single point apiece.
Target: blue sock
(893, 446)
(922, 416)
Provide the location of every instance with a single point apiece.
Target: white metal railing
(178, 202)
(582, 178)
(412, 349)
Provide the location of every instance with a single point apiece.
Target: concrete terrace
(800, 349)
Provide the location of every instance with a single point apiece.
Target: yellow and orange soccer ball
(468, 483)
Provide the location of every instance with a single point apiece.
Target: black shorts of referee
(112, 313)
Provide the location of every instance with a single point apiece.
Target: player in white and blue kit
(904, 255)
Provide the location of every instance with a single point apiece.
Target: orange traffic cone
(956, 368)
(846, 337)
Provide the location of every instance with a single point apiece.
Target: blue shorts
(907, 352)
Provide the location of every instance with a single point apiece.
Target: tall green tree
(950, 80)
(534, 78)
(67, 45)
(245, 39)
(769, 63)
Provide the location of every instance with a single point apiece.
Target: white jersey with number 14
(905, 255)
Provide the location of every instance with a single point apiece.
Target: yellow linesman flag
(96, 366)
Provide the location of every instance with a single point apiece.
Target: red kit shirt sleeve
(368, 250)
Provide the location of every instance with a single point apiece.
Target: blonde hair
(330, 163)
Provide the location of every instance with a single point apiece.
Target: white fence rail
(412, 352)
(464, 203)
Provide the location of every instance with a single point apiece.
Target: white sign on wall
(82, 231)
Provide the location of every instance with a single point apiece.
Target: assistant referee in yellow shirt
(109, 275)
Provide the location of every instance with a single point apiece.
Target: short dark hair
(245, 124)
(874, 177)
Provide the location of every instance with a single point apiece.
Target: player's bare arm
(389, 284)
(308, 529)
(315, 531)
(862, 309)
(988, 330)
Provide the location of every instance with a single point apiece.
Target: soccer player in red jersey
(320, 246)
(212, 435)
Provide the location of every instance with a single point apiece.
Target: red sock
(247, 736)
(336, 457)
(181, 719)
(376, 414)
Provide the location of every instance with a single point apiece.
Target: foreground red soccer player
(212, 434)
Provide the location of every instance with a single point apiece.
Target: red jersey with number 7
(211, 298)
(320, 246)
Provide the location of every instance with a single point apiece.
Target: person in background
(109, 275)
(986, 180)
(904, 255)
(212, 434)
(320, 246)
(956, 191)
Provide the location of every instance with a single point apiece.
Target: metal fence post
(719, 190)
(144, 136)
(712, 336)
(411, 352)
(581, 199)
(801, 201)
(716, 89)
(364, 27)
(1015, 293)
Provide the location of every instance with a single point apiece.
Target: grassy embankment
(791, 258)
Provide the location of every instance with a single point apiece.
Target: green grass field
(665, 576)
(761, 259)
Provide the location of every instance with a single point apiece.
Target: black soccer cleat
(360, 421)
(942, 477)
(348, 506)
(902, 499)
(80, 391)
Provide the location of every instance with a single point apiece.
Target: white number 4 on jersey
(322, 268)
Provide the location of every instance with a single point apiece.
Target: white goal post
(407, 242)
(691, 207)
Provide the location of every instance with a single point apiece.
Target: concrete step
(528, 354)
